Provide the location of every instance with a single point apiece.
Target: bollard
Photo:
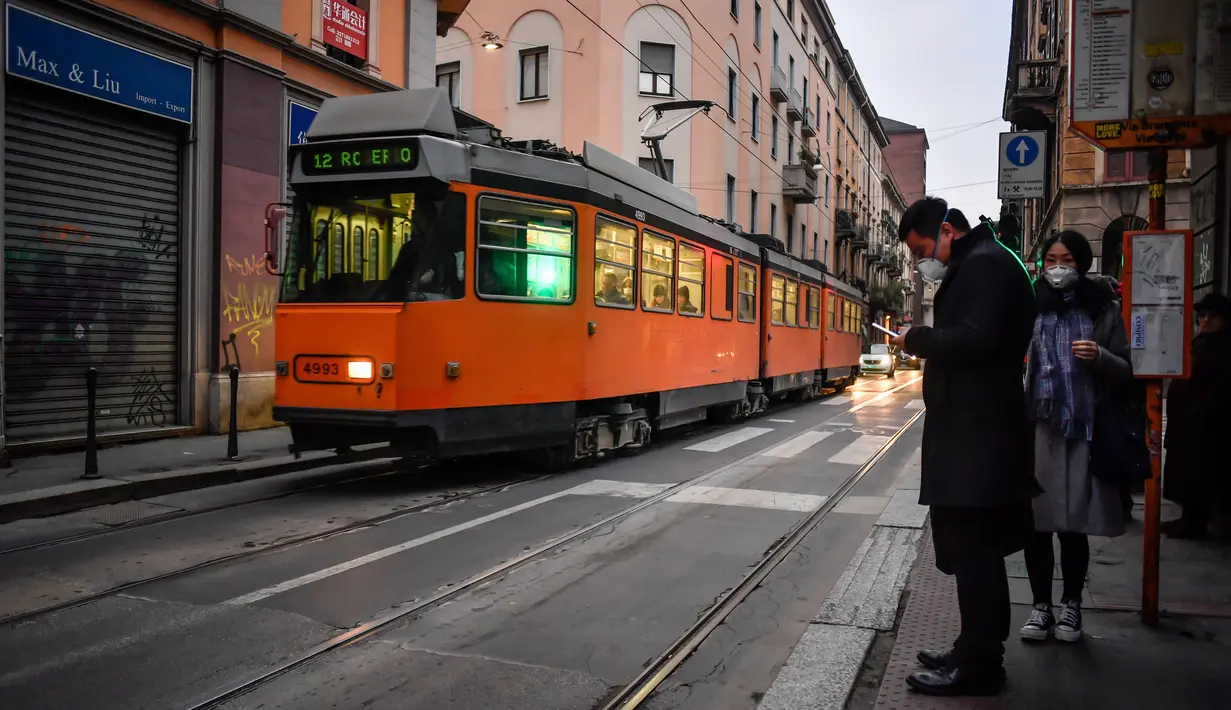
(91, 434)
(233, 434)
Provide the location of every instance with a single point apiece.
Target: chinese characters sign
(345, 27)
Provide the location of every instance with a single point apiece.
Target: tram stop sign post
(1152, 75)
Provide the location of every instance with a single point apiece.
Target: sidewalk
(51, 484)
(1122, 664)
(862, 643)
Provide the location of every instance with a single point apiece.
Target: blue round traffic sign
(1022, 151)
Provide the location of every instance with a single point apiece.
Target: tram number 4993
(320, 368)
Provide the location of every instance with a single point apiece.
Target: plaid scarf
(1053, 370)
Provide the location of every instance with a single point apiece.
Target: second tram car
(455, 293)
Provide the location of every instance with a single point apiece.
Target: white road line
(290, 584)
(798, 444)
(783, 421)
(749, 498)
(620, 489)
(859, 450)
(837, 399)
(726, 441)
(914, 404)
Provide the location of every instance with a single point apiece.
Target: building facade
(907, 159)
(1100, 194)
(142, 142)
(791, 143)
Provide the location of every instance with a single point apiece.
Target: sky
(939, 65)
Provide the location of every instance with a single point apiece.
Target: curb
(72, 497)
(825, 665)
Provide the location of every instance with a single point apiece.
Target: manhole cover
(129, 511)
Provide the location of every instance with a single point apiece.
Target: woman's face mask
(1061, 277)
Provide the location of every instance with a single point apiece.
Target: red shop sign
(345, 27)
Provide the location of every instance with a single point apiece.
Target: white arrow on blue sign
(1023, 167)
(1022, 151)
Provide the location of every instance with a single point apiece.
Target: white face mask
(1060, 276)
(932, 269)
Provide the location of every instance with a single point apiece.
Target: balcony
(844, 225)
(807, 127)
(794, 106)
(874, 253)
(778, 89)
(1032, 94)
(895, 267)
(861, 237)
(799, 182)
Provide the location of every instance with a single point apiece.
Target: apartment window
(752, 213)
(826, 69)
(790, 77)
(773, 136)
(648, 164)
(805, 99)
(828, 127)
(826, 252)
(775, 49)
(790, 232)
(756, 117)
(730, 200)
(815, 242)
(803, 32)
(803, 242)
(826, 190)
(732, 93)
(790, 11)
(790, 147)
(534, 77)
(735, 9)
(449, 78)
(1124, 165)
(756, 24)
(657, 69)
(773, 220)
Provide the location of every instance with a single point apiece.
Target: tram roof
(599, 171)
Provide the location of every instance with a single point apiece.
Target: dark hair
(1077, 245)
(924, 217)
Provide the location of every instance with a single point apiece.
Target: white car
(878, 362)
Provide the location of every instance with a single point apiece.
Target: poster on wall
(346, 27)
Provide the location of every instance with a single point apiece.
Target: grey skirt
(1073, 500)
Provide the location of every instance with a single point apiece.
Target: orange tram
(455, 293)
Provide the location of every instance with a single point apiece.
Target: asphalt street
(563, 630)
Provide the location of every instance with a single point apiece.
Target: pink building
(762, 158)
(907, 158)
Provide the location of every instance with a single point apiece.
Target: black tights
(1074, 563)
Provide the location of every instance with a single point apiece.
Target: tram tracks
(646, 683)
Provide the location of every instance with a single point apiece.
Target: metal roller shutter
(91, 270)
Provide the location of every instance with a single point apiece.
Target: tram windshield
(388, 245)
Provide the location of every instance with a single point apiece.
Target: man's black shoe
(933, 660)
(957, 681)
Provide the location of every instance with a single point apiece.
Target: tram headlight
(359, 370)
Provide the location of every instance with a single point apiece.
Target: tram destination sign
(370, 156)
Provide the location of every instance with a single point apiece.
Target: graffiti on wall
(248, 301)
(80, 297)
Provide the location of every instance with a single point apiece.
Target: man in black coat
(977, 465)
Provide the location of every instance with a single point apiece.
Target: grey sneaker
(1068, 626)
(1039, 626)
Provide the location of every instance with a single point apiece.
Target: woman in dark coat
(1079, 356)
(1198, 421)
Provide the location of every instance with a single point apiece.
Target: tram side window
(792, 303)
(833, 302)
(615, 253)
(777, 299)
(747, 293)
(691, 292)
(814, 307)
(722, 293)
(657, 273)
(525, 250)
